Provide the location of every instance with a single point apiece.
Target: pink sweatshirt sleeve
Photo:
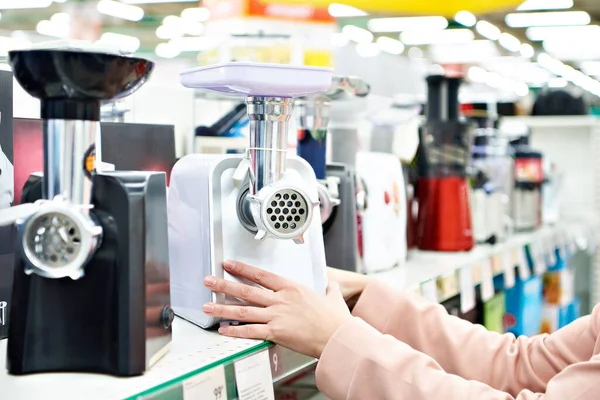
(469, 350)
(456, 360)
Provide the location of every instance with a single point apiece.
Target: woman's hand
(351, 284)
(292, 315)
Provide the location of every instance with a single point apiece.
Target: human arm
(360, 362)
(504, 362)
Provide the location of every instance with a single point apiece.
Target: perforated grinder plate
(54, 239)
(287, 211)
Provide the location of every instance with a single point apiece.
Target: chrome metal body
(66, 145)
(269, 117)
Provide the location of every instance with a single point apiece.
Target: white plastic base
(384, 220)
(259, 79)
(204, 231)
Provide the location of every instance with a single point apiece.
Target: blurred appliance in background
(444, 217)
(380, 193)
(129, 147)
(529, 179)
(396, 130)
(337, 189)
(91, 245)
(493, 179)
(559, 102)
(258, 208)
(113, 111)
(6, 196)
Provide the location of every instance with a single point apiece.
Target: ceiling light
(199, 14)
(509, 42)
(120, 10)
(169, 32)
(494, 79)
(538, 33)
(339, 40)
(8, 44)
(465, 18)
(367, 49)
(563, 18)
(415, 53)
(50, 28)
(61, 18)
(390, 45)
(157, 1)
(343, 11)
(521, 89)
(558, 83)
(22, 4)
(531, 5)
(193, 43)
(356, 34)
(407, 24)
(487, 30)
(445, 36)
(527, 50)
(165, 50)
(190, 27)
(477, 74)
(122, 42)
(590, 67)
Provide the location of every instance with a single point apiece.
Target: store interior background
(494, 71)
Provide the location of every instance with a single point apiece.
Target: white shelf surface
(194, 349)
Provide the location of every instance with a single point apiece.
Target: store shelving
(196, 352)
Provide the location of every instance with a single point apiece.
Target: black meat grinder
(91, 279)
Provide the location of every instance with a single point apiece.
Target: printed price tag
(487, 281)
(467, 289)
(253, 377)
(522, 263)
(551, 245)
(429, 290)
(209, 385)
(539, 259)
(509, 270)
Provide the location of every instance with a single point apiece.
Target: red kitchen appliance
(444, 217)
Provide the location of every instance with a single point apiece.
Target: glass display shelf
(195, 351)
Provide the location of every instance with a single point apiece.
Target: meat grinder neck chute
(272, 205)
(57, 234)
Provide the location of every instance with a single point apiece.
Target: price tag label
(429, 290)
(539, 259)
(209, 385)
(509, 270)
(487, 281)
(467, 289)
(522, 263)
(551, 245)
(253, 377)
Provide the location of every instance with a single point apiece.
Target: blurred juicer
(91, 281)
(337, 189)
(444, 218)
(257, 208)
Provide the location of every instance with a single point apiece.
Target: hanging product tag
(539, 258)
(551, 244)
(208, 385)
(522, 263)
(509, 270)
(467, 289)
(487, 280)
(429, 290)
(253, 377)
